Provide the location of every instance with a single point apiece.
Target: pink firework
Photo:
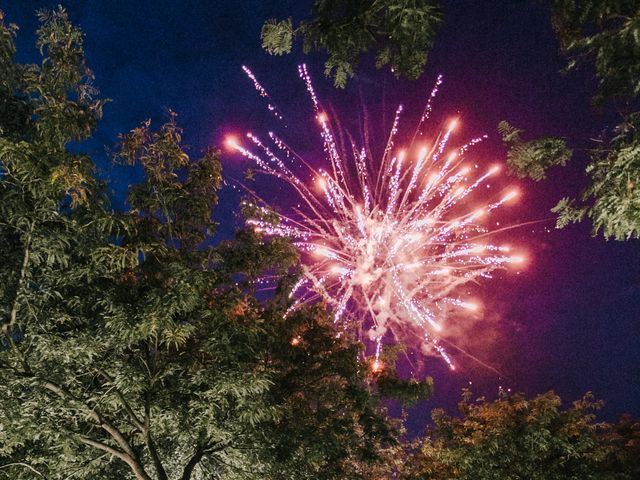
(388, 243)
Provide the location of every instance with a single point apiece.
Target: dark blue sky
(569, 322)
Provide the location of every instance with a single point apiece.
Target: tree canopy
(529, 439)
(398, 32)
(133, 348)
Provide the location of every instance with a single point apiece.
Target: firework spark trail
(387, 244)
(428, 108)
(271, 106)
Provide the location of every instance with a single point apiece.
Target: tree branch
(162, 474)
(134, 418)
(20, 464)
(13, 317)
(134, 461)
(191, 464)
(143, 425)
(200, 451)
(106, 448)
(151, 446)
(145, 428)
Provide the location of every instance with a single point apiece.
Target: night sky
(568, 321)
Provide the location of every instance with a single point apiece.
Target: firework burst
(388, 243)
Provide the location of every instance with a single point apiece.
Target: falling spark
(387, 243)
(271, 106)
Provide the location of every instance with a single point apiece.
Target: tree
(604, 35)
(398, 32)
(51, 223)
(131, 347)
(517, 438)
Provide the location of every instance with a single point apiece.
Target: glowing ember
(388, 243)
(376, 366)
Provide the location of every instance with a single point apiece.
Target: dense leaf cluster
(399, 33)
(606, 35)
(532, 158)
(517, 438)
